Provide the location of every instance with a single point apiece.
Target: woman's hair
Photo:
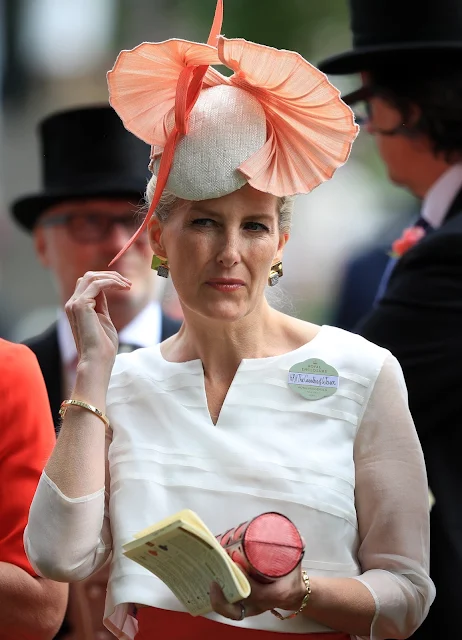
(168, 203)
(436, 90)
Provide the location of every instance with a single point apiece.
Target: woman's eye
(256, 226)
(203, 222)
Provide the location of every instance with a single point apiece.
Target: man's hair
(437, 92)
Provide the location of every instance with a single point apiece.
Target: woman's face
(220, 252)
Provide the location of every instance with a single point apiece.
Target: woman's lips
(226, 284)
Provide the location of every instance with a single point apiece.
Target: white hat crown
(227, 126)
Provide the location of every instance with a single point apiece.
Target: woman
(210, 419)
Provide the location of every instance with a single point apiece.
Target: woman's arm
(68, 534)
(343, 604)
(67, 539)
(392, 504)
(392, 596)
(31, 607)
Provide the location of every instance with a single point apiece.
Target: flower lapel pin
(409, 237)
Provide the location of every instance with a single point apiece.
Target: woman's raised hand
(94, 334)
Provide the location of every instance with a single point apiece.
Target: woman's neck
(221, 346)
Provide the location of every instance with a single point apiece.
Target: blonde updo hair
(168, 202)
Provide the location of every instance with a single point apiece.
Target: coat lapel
(46, 349)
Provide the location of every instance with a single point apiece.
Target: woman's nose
(229, 253)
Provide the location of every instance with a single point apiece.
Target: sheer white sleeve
(68, 539)
(393, 509)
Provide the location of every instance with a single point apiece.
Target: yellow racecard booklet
(187, 557)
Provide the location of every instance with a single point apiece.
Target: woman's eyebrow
(249, 216)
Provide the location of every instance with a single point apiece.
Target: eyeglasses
(88, 228)
(359, 102)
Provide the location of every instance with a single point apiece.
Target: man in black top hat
(94, 174)
(410, 58)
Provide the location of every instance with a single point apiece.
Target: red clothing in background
(176, 625)
(27, 439)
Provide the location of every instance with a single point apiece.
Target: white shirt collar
(145, 330)
(439, 198)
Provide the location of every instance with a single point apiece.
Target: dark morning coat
(419, 320)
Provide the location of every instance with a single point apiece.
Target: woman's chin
(224, 312)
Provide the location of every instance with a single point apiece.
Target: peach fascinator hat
(277, 123)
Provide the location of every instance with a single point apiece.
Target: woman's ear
(283, 238)
(155, 237)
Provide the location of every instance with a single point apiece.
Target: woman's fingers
(89, 317)
(93, 289)
(101, 304)
(236, 611)
(90, 286)
(94, 281)
(286, 593)
(91, 276)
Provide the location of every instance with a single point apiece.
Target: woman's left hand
(286, 593)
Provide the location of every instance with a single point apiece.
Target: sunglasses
(88, 228)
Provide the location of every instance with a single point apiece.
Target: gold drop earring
(161, 266)
(275, 274)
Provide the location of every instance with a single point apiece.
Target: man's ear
(155, 237)
(40, 244)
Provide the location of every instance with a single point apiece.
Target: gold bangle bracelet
(84, 405)
(306, 580)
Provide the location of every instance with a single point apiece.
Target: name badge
(313, 379)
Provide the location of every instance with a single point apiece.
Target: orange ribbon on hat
(309, 129)
(187, 92)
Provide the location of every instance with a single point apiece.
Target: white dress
(347, 469)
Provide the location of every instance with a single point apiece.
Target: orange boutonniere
(409, 238)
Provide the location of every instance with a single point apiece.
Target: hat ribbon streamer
(187, 92)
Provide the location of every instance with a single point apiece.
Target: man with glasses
(410, 59)
(95, 173)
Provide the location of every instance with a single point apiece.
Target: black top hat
(392, 31)
(87, 153)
